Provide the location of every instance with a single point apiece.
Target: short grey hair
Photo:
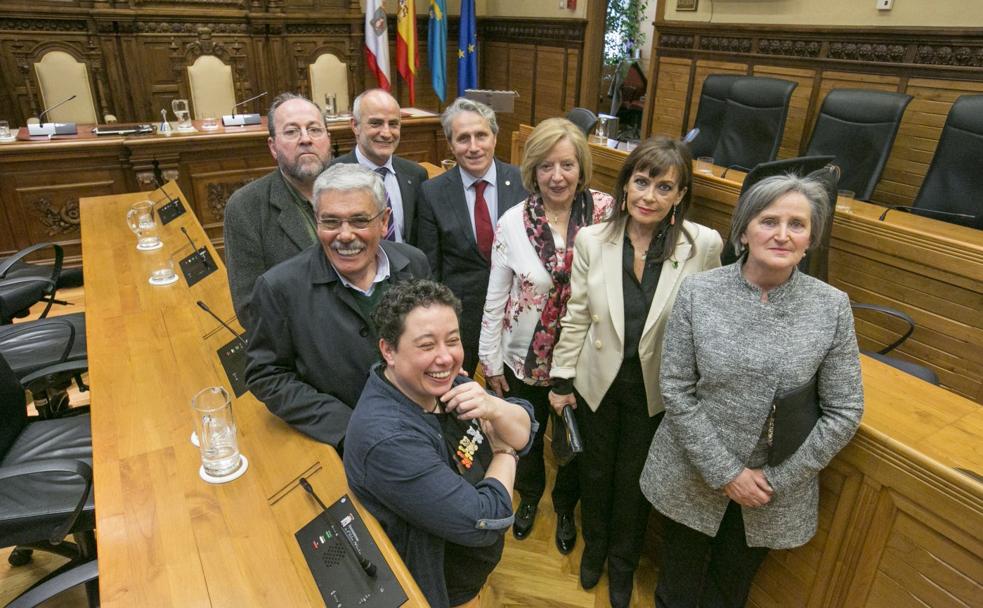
(357, 104)
(761, 195)
(278, 101)
(346, 177)
(463, 104)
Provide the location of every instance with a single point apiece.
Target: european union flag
(437, 47)
(467, 49)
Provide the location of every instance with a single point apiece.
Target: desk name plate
(339, 578)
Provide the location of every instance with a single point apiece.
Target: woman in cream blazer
(624, 279)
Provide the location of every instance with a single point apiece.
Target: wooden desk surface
(165, 536)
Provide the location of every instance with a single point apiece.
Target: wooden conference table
(165, 537)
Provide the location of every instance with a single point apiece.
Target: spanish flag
(407, 56)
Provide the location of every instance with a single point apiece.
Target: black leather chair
(24, 283)
(46, 493)
(858, 127)
(754, 120)
(818, 167)
(710, 113)
(953, 186)
(909, 367)
(45, 356)
(583, 118)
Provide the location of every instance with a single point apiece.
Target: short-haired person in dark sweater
(313, 340)
(430, 453)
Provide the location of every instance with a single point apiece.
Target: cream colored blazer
(591, 347)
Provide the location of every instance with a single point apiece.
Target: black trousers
(707, 571)
(614, 512)
(530, 475)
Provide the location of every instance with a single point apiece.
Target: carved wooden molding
(42, 25)
(58, 220)
(565, 33)
(170, 27)
(218, 193)
(924, 50)
(329, 29)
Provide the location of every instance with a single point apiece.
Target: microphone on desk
(366, 565)
(201, 253)
(205, 307)
(919, 211)
(232, 120)
(160, 186)
(52, 128)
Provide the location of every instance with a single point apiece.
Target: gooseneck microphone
(366, 565)
(200, 253)
(238, 336)
(57, 105)
(919, 211)
(244, 102)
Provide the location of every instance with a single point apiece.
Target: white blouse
(517, 290)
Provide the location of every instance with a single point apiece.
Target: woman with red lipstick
(429, 452)
(740, 337)
(527, 294)
(625, 275)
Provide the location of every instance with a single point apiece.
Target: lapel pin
(508, 183)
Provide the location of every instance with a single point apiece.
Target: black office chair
(583, 118)
(45, 356)
(46, 493)
(815, 262)
(754, 120)
(710, 113)
(909, 367)
(953, 187)
(24, 283)
(858, 127)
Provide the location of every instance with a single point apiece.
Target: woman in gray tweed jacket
(738, 335)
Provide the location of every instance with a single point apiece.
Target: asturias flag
(407, 56)
(437, 47)
(467, 49)
(377, 42)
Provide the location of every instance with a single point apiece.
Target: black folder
(794, 413)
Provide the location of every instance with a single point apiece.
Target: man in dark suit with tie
(375, 122)
(459, 210)
(272, 218)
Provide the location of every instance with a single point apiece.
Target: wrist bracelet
(509, 451)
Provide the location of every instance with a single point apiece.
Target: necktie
(391, 228)
(482, 220)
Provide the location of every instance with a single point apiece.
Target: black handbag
(565, 437)
(793, 415)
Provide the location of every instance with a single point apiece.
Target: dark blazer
(311, 348)
(263, 227)
(445, 234)
(409, 175)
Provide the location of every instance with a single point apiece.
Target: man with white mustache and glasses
(313, 341)
(271, 219)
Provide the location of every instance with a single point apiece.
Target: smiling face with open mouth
(351, 249)
(428, 357)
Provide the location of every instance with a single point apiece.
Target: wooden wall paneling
(521, 65)
(550, 90)
(703, 69)
(497, 75)
(798, 109)
(671, 96)
(573, 75)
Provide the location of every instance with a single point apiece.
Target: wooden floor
(532, 572)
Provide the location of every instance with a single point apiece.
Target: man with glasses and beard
(313, 340)
(272, 219)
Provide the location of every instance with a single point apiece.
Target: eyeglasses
(293, 133)
(358, 222)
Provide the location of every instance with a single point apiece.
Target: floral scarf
(547, 333)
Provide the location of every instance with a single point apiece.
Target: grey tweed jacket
(725, 356)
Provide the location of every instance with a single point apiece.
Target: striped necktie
(391, 228)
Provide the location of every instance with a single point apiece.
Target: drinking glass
(330, 105)
(448, 164)
(209, 123)
(843, 198)
(216, 429)
(704, 164)
(162, 270)
(141, 220)
(4, 129)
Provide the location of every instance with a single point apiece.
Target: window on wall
(623, 38)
